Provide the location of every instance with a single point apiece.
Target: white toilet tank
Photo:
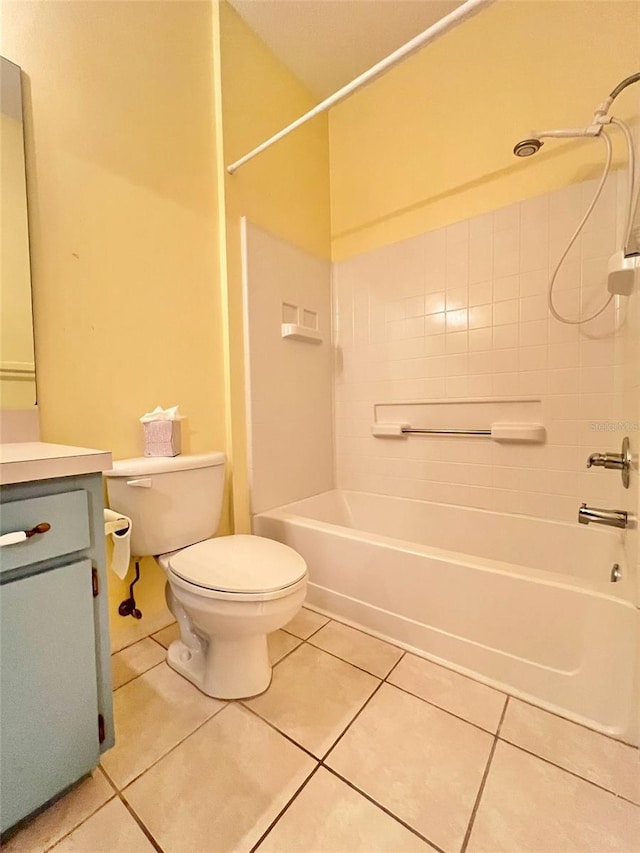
(172, 502)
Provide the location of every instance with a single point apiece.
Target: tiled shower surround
(461, 313)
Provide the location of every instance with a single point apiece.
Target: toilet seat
(241, 567)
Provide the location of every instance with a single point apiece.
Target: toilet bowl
(227, 593)
(224, 621)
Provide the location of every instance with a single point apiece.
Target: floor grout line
(503, 715)
(279, 731)
(570, 772)
(404, 652)
(573, 722)
(483, 782)
(145, 637)
(287, 654)
(78, 825)
(321, 762)
(304, 639)
(139, 675)
(143, 827)
(285, 809)
(500, 690)
(385, 809)
(395, 666)
(444, 710)
(344, 660)
(164, 754)
(337, 741)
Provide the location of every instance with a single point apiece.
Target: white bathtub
(523, 604)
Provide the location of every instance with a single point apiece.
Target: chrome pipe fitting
(607, 517)
(618, 461)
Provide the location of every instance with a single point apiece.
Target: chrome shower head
(527, 147)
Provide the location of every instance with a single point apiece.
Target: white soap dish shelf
(301, 333)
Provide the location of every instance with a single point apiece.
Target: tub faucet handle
(597, 459)
(618, 461)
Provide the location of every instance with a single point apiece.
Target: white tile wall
(461, 312)
(289, 384)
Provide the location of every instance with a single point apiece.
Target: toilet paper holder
(128, 606)
(120, 528)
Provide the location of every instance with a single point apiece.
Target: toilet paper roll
(118, 528)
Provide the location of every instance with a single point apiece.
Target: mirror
(17, 363)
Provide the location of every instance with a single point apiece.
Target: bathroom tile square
(480, 317)
(434, 303)
(480, 259)
(134, 660)
(456, 320)
(62, 817)
(280, 644)
(530, 805)
(533, 282)
(480, 386)
(481, 226)
(506, 217)
(109, 830)
(331, 817)
(421, 763)
(125, 632)
(457, 342)
(593, 756)
(480, 294)
(362, 650)
(434, 324)
(506, 252)
(505, 312)
(222, 787)
(457, 233)
(313, 697)
(153, 714)
(457, 386)
(451, 691)
(506, 287)
(306, 623)
(167, 635)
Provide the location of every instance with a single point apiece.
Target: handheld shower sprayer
(622, 266)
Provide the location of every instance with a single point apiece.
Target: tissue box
(162, 438)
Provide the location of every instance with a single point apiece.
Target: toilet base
(224, 668)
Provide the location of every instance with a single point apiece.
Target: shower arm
(600, 117)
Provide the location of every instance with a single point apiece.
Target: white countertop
(35, 460)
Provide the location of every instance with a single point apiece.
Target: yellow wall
(17, 377)
(430, 142)
(123, 217)
(121, 155)
(285, 190)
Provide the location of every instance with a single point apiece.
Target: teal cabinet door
(48, 694)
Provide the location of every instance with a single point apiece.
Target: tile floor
(357, 747)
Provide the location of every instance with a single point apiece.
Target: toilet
(226, 593)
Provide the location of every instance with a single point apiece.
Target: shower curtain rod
(466, 10)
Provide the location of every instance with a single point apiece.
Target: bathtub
(522, 604)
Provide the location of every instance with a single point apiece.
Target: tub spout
(608, 517)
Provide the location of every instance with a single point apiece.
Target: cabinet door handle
(144, 483)
(21, 535)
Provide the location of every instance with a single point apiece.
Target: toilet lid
(239, 564)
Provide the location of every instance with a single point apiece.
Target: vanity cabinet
(55, 684)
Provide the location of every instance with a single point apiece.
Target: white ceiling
(326, 43)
